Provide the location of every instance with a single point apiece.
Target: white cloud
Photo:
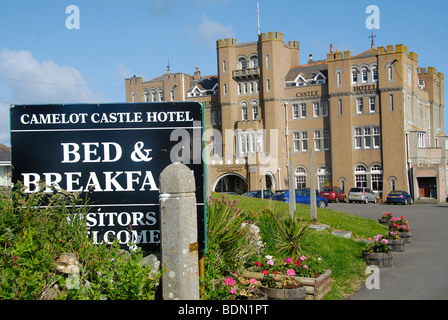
(4, 124)
(209, 31)
(29, 81)
(25, 80)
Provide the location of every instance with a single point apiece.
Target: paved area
(420, 272)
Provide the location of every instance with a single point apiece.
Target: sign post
(113, 154)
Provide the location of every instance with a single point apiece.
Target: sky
(51, 53)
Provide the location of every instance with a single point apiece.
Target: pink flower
(302, 258)
(305, 266)
(230, 281)
(253, 281)
(233, 291)
(271, 262)
(290, 272)
(288, 260)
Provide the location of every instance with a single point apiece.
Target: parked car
(333, 194)
(361, 194)
(302, 196)
(267, 194)
(399, 196)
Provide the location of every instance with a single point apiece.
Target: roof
(5, 153)
(307, 71)
(372, 52)
(204, 84)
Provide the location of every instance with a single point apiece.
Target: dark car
(399, 196)
(267, 194)
(333, 194)
(302, 197)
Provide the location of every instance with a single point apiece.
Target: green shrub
(35, 229)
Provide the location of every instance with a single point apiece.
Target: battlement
(272, 35)
(293, 44)
(338, 55)
(228, 42)
(430, 70)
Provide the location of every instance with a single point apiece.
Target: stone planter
(380, 259)
(384, 221)
(316, 288)
(298, 293)
(396, 245)
(406, 236)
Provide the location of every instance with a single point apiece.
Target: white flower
(269, 257)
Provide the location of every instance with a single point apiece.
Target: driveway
(420, 272)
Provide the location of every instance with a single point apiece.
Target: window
(317, 140)
(254, 62)
(242, 63)
(421, 139)
(239, 88)
(295, 111)
(392, 184)
(255, 112)
(249, 141)
(224, 66)
(372, 104)
(354, 76)
(376, 137)
(360, 176)
(300, 175)
(244, 113)
(268, 85)
(322, 176)
(338, 79)
(359, 105)
(172, 94)
(367, 138)
(224, 89)
(390, 73)
(316, 109)
(340, 106)
(215, 116)
(376, 177)
(267, 61)
(326, 140)
(364, 75)
(375, 74)
(324, 108)
(391, 102)
(300, 141)
(303, 110)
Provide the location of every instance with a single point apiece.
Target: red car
(333, 194)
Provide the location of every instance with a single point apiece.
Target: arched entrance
(231, 182)
(269, 181)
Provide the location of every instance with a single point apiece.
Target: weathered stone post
(179, 234)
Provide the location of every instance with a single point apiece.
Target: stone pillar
(179, 234)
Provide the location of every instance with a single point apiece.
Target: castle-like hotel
(374, 119)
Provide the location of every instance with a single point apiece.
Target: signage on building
(112, 153)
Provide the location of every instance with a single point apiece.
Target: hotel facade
(374, 119)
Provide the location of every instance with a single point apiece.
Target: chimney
(197, 74)
(311, 58)
(331, 48)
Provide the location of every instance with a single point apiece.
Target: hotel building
(374, 119)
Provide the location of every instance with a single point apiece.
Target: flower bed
(316, 282)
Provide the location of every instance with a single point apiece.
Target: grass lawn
(343, 256)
